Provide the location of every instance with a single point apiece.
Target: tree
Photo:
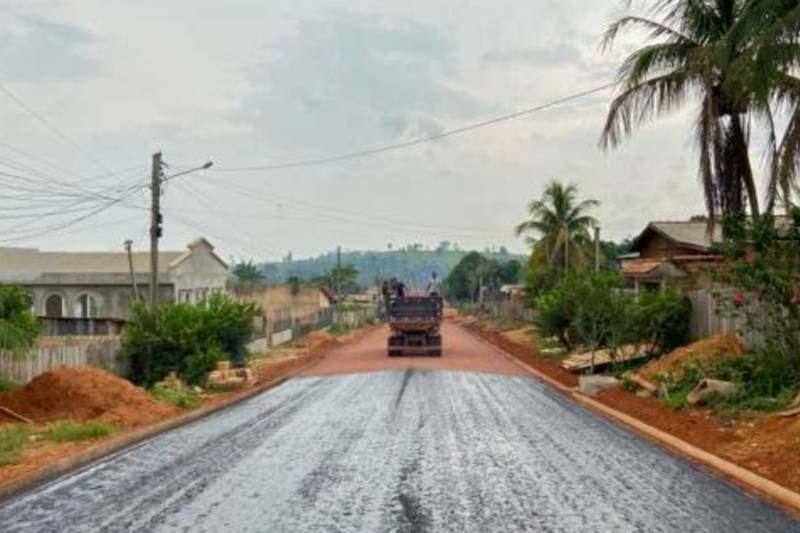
(248, 272)
(18, 327)
(737, 58)
(563, 228)
(341, 280)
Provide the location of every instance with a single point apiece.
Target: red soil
(85, 393)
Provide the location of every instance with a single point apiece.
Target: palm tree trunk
(742, 166)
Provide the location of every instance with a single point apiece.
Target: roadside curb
(86, 457)
(741, 476)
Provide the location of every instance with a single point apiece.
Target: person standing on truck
(434, 288)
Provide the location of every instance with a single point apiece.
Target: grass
(12, 442)
(8, 385)
(337, 330)
(182, 398)
(69, 431)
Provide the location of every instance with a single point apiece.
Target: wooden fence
(708, 319)
(54, 352)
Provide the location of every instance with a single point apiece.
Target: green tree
(737, 58)
(341, 280)
(562, 226)
(18, 327)
(248, 272)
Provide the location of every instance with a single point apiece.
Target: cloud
(343, 72)
(557, 55)
(39, 49)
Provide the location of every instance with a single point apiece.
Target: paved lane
(397, 450)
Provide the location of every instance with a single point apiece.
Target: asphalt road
(404, 449)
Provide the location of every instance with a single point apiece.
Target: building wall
(112, 301)
(199, 275)
(279, 301)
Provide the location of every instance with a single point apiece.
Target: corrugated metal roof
(693, 233)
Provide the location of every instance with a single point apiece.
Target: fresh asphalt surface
(395, 450)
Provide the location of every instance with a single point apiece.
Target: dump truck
(415, 323)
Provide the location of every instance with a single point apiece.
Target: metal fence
(65, 327)
(709, 318)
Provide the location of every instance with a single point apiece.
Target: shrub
(182, 397)
(8, 384)
(187, 339)
(18, 327)
(12, 441)
(69, 431)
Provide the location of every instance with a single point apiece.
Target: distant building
(669, 253)
(97, 285)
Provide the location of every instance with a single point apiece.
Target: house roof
(651, 268)
(692, 234)
(22, 265)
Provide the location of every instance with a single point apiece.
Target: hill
(411, 265)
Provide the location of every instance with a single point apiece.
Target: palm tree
(699, 51)
(248, 272)
(563, 228)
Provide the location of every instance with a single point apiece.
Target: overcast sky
(257, 82)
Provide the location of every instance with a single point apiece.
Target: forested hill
(410, 265)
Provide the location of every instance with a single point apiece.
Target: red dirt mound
(85, 393)
(702, 352)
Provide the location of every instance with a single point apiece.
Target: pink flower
(738, 299)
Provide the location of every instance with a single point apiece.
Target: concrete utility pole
(597, 248)
(155, 226)
(128, 245)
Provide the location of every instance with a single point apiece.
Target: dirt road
(367, 443)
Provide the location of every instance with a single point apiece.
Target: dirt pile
(85, 393)
(702, 352)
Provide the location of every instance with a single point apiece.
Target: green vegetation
(18, 327)
(562, 227)
(412, 264)
(736, 59)
(188, 339)
(337, 330)
(8, 385)
(589, 309)
(69, 431)
(340, 280)
(12, 442)
(475, 271)
(181, 397)
(247, 272)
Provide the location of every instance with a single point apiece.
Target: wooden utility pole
(155, 227)
(597, 248)
(128, 245)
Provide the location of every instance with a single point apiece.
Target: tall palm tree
(562, 226)
(698, 49)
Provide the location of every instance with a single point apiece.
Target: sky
(93, 88)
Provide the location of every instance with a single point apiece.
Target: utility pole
(338, 272)
(597, 248)
(128, 245)
(155, 227)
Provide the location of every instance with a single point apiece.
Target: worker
(401, 289)
(434, 288)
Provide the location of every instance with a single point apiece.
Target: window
(184, 296)
(202, 292)
(86, 306)
(54, 306)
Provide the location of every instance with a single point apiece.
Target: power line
(50, 127)
(421, 140)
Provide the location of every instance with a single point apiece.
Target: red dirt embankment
(82, 394)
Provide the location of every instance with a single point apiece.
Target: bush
(12, 441)
(69, 431)
(8, 384)
(590, 308)
(182, 398)
(186, 339)
(18, 327)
